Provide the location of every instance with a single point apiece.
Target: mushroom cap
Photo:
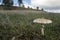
(42, 21)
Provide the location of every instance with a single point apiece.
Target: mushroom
(42, 21)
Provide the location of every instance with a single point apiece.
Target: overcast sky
(46, 3)
(51, 5)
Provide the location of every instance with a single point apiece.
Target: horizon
(47, 5)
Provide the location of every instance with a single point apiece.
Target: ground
(19, 24)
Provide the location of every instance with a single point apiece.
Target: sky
(48, 5)
(24, 2)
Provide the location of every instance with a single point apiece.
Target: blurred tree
(42, 9)
(8, 2)
(28, 7)
(20, 2)
(23, 6)
(37, 8)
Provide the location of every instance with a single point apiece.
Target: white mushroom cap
(42, 21)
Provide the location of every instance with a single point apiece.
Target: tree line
(10, 2)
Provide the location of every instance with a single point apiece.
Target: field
(18, 25)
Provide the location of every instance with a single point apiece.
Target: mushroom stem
(13, 38)
(42, 30)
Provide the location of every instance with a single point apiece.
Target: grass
(20, 25)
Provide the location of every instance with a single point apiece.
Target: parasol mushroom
(42, 21)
